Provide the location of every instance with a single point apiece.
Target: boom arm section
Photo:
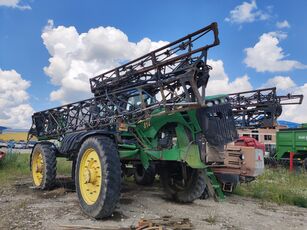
(260, 108)
(171, 78)
(178, 68)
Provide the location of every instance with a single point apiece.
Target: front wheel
(43, 166)
(98, 177)
(182, 183)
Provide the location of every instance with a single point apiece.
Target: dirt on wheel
(22, 207)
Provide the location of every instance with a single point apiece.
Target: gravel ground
(22, 207)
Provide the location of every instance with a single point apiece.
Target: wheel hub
(87, 176)
(90, 176)
(37, 168)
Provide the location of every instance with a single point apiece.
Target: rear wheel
(98, 177)
(182, 183)
(144, 176)
(43, 166)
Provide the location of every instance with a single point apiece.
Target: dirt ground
(22, 207)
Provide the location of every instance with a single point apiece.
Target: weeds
(211, 219)
(278, 185)
(12, 166)
(63, 167)
(16, 165)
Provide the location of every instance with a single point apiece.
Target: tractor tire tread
(111, 165)
(148, 177)
(50, 162)
(193, 192)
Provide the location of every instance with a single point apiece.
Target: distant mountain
(15, 130)
(289, 124)
(2, 128)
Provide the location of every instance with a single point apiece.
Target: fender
(72, 142)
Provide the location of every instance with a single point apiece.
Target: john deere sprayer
(151, 112)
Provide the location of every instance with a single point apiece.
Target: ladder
(214, 187)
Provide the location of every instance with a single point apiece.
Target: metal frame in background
(260, 108)
(181, 64)
(169, 78)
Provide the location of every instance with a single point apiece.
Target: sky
(49, 49)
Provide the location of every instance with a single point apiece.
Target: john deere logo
(146, 124)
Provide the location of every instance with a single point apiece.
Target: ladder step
(212, 182)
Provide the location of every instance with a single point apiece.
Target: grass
(13, 166)
(63, 167)
(17, 165)
(211, 219)
(278, 185)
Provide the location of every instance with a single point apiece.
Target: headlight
(209, 103)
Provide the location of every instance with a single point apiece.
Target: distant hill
(13, 134)
(8, 130)
(289, 124)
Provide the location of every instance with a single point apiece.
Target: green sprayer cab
(149, 116)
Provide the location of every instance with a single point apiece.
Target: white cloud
(14, 4)
(283, 24)
(280, 82)
(246, 12)
(296, 113)
(77, 57)
(15, 111)
(219, 81)
(266, 55)
(285, 85)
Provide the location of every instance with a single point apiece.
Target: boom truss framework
(251, 109)
(173, 77)
(260, 108)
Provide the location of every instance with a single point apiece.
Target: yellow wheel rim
(90, 176)
(37, 168)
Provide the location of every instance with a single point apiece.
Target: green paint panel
(146, 132)
(291, 140)
(128, 153)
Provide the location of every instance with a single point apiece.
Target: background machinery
(293, 141)
(260, 109)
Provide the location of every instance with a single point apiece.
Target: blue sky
(241, 25)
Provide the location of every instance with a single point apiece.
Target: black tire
(205, 195)
(110, 180)
(73, 169)
(305, 163)
(144, 177)
(48, 153)
(193, 188)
